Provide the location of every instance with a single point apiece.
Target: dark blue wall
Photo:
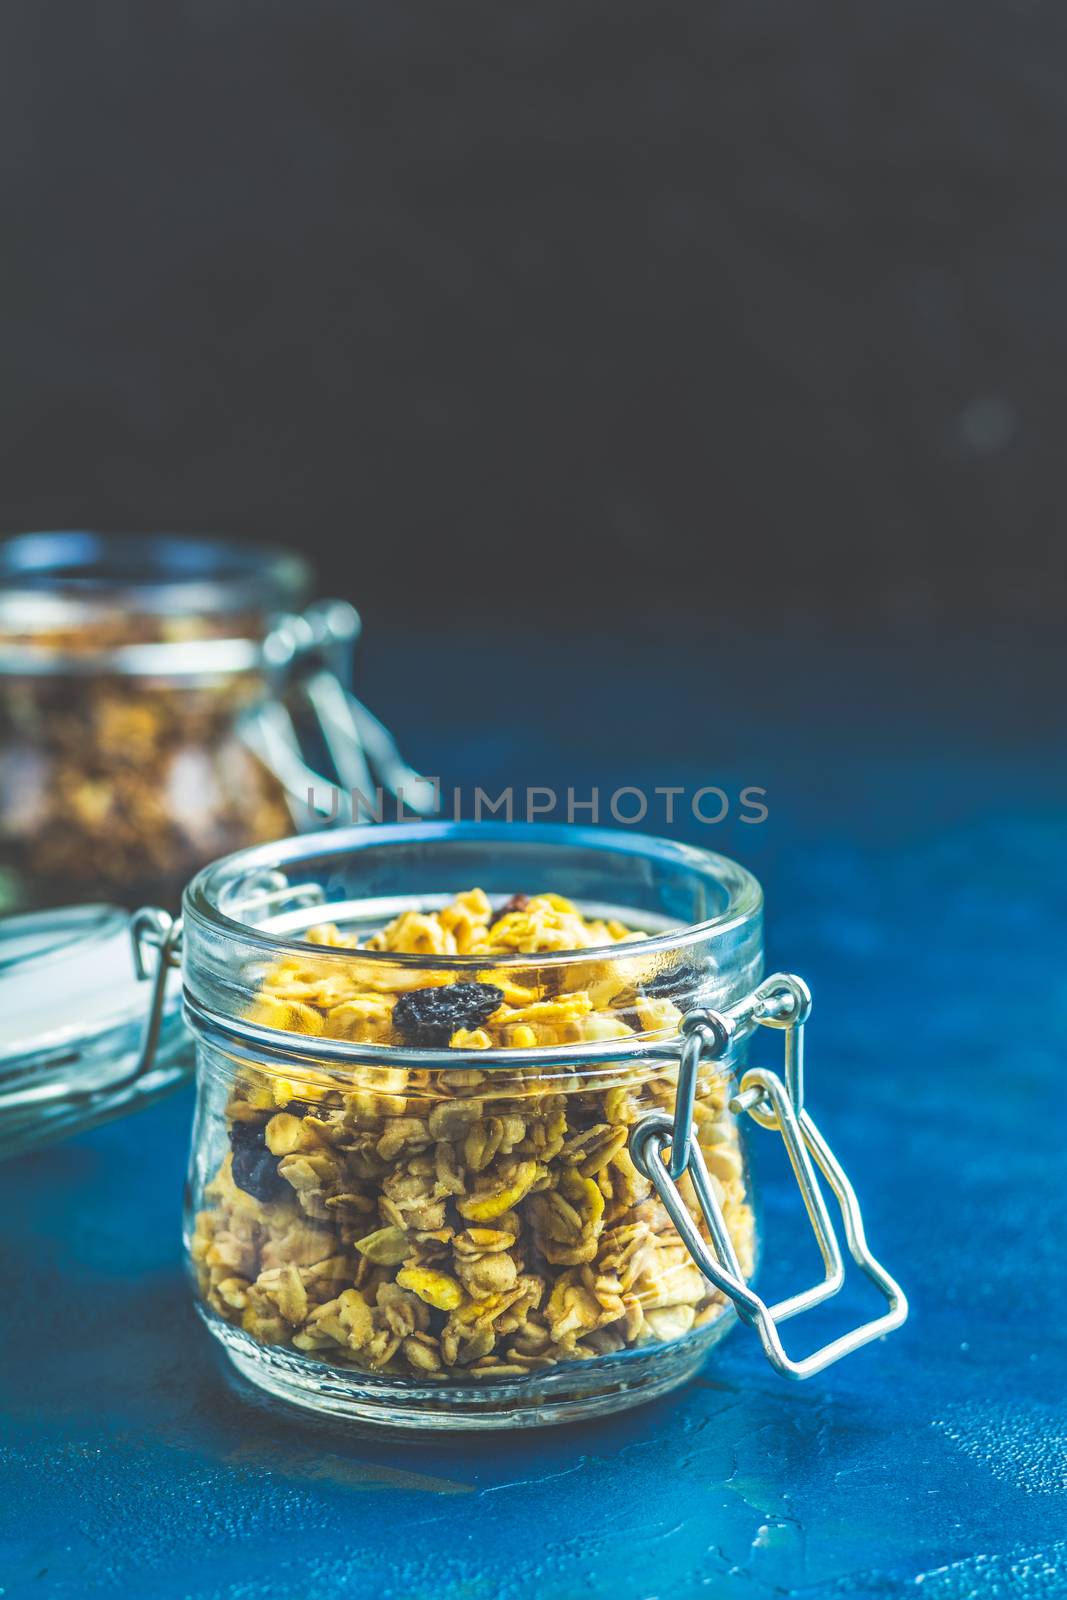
(763, 293)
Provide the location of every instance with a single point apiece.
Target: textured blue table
(915, 861)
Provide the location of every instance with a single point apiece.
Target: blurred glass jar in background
(142, 726)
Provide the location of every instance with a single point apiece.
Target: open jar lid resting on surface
(77, 1047)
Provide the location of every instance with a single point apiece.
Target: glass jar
(147, 722)
(467, 1149)
(79, 1044)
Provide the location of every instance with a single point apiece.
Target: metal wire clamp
(783, 1002)
(157, 944)
(309, 658)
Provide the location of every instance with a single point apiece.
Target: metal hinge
(782, 1001)
(310, 658)
(157, 943)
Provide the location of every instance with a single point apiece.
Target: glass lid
(76, 1018)
(50, 579)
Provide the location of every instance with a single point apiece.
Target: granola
(118, 787)
(451, 1224)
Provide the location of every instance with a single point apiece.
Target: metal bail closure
(309, 658)
(157, 945)
(782, 1002)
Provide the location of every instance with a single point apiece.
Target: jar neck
(76, 603)
(697, 918)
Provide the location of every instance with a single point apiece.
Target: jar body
(119, 788)
(453, 1245)
(465, 1242)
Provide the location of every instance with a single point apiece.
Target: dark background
(558, 314)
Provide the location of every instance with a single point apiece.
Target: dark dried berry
(429, 1017)
(251, 1135)
(303, 1108)
(518, 902)
(672, 983)
(256, 1172)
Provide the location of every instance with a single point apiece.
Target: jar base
(573, 1392)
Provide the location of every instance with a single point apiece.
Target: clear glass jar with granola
(467, 1149)
(422, 1054)
(146, 722)
(125, 665)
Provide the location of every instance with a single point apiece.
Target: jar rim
(744, 895)
(41, 938)
(55, 578)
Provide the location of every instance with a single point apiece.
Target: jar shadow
(253, 1431)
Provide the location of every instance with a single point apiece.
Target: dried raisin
(254, 1169)
(429, 1017)
(518, 902)
(256, 1172)
(250, 1135)
(678, 983)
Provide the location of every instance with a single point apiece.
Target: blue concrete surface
(915, 861)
